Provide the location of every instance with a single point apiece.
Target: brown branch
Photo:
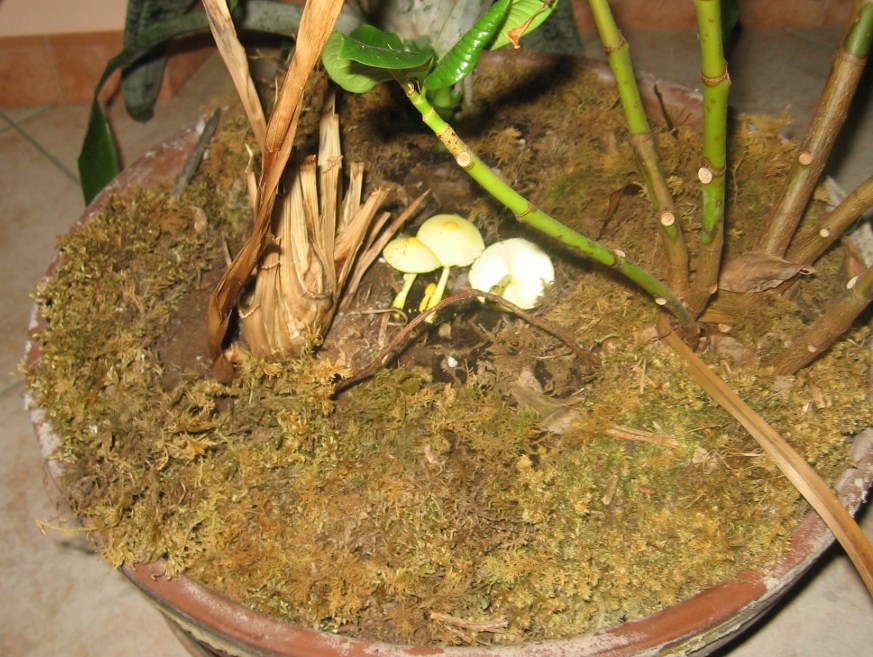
(406, 334)
(829, 117)
(812, 245)
(836, 320)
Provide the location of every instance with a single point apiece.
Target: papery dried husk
(755, 272)
(320, 244)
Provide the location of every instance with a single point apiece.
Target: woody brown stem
(815, 148)
(828, 328)
(813, 244)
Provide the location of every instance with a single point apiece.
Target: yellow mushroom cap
(410, 255)
(454, 240)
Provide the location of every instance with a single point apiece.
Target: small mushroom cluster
(516, 269)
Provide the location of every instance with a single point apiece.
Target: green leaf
(141, 81)
(98, 161)
(527, 13)
(348, 74)
(559, 34)
(376, 48)
(730, 18)
(462, 57)
(95, 161)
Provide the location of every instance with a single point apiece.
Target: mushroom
(456, 243)
(412, 257)
(516, 269)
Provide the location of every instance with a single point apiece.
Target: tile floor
(61, 601)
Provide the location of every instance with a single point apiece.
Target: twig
(485, 626)
(196, 156)
(640, 435)
(836, 320)
(403, 337)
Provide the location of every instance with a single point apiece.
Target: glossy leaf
(462, 58)
(98, 161)
(349, 74)
(141, 81)
(524, 16)
(376, 48)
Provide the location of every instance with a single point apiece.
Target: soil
(486, 486)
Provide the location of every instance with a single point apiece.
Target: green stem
(528, 214)
(716, 85)
(618, 52)
(830, 114)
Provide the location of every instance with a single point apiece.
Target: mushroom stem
(440, 289)
(400, 300)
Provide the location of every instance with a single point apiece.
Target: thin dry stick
(402, 338)
(792, 465)
(484, 626)
(640, 435)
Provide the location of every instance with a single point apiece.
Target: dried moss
(412, 495)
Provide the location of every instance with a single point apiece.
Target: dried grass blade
(792, 465)
(640, 435)
(376, 241)
(234, 56)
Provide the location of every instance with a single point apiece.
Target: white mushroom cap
(520, 270)
(410, 255)
(454, 240)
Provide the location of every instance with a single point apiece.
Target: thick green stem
(527, 213)
(716, 85)
(813, 244)
(833, 107)
(618, 52)
(826, 329)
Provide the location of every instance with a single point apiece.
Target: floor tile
(67, 602)
(38, 203)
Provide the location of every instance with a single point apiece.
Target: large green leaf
(375, 48)
(99, 150)
(98, 161)
(141, 81)
(528, 14)
(347, 73)
(462, 57)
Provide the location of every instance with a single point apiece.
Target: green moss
(409, 495)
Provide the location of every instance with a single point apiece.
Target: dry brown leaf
(755, 271)
(729, 347)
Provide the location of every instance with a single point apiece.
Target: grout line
(12, 387)
(15, 126)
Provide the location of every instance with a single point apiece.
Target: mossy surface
(434, 489)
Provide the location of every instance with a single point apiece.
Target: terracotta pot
(212, 624)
